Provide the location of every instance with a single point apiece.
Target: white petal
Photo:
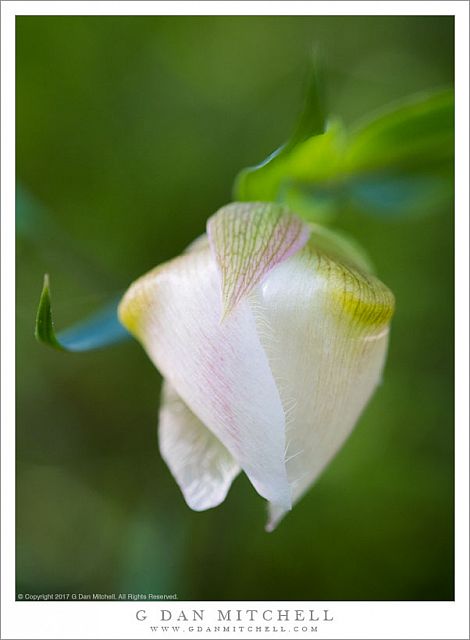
(219, 369)
(325, 329)
(199, 462)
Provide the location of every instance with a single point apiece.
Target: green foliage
(99, 330)
(312, 118)
(414, 134)
(44, 329)
(263, 181)
(397, 162)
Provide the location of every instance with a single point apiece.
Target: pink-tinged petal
(248, 240)
(199, 462)
(220, 370)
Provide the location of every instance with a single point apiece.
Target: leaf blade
(260, 181)
(415, 132)
(99, 330)
(398, 161)
(44, 328)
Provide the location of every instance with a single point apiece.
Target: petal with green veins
(248, 240)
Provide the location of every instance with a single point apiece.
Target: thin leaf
(312, 119)
(99, 330)
(261, 182)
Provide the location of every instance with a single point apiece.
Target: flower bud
(271, 337)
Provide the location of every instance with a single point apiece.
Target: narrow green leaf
(261, 182)
(312, 118)
(44, 329)
(99, 330)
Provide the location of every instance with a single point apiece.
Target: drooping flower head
(271, 336)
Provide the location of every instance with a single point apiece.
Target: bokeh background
(130, 131)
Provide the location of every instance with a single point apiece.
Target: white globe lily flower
(271, 339)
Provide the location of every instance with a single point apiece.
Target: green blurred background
(130, 131)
